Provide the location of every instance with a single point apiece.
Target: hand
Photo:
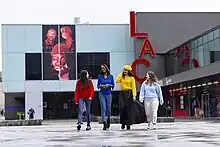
(90, 98)
(76, 103)
(102, 86)
(134, 99)
(108, 85)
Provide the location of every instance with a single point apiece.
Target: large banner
(59, 54)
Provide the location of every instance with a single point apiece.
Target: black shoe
(108, 123)
(128, 127)
(122, 126)
(78, 127)
(104, 126)
(88, 128)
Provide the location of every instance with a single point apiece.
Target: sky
(92, 11)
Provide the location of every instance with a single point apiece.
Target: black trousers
(126, 107)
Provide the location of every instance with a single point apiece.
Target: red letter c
(134, 68)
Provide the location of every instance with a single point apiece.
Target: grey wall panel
(169, 30)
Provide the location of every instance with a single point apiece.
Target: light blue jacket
(153, 91)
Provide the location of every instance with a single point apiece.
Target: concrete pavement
(64, 134)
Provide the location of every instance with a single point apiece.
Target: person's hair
(106, 68)
(152, 78)
(83, 78)
(130, 74)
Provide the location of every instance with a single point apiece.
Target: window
(205, 39)
(216, 33)
(92, 62)
(200, 41)
(33, 70)
(210, 36)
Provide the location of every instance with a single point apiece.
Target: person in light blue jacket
(151, 94)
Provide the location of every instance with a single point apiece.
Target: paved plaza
(64, 134)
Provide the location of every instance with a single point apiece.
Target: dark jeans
(88, 107)
(105, 104)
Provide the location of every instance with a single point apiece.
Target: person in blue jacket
(105, 84)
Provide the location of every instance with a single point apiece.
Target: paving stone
(64, 134)
(20, 122)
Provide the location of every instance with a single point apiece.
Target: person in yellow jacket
(127, 96)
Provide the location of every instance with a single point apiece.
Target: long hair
(130, 74)
(83, 78)
(152, 78)
(106, 68)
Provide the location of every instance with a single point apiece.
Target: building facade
(41, 63)
(34, 74)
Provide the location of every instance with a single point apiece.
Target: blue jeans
(88, 107)
(105, 103)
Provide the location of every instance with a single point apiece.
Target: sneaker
(122, 126)
(104, 126)
(78, 127)
(88, 128)
(148, 126)
(154, 127)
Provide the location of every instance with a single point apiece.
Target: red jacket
(86, 92)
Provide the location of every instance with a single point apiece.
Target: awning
(192, 74)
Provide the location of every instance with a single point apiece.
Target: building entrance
(59, 105)
(205, 104)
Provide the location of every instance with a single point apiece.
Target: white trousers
(151, 107)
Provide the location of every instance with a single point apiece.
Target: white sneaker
(154, 127)
(148, 126)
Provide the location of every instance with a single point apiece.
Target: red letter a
(147, 48)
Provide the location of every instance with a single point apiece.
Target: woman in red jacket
(84, 93)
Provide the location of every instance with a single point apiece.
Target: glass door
(205, 105)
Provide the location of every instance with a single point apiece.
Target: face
(147, 76)
(125, 72)
(51, 34)
(65, 31)
(103, 69)
(87, 75)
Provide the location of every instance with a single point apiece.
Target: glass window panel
(200, 41)
(33, 70)
(210, 36)
(200, 56)
(216, 45)
(216, 33)
(93, 63)
(206, 54)
(205, 39)
(211, 46)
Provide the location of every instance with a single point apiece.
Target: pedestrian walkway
(64, 133)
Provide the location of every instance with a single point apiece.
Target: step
(21, 122)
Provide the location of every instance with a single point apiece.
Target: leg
(147, 107)
(88, 107)
(108, 106)
(103, 106)
(122, 110)
(80, 112)
(155, 104)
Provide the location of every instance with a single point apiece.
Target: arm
(113, 82)
(99, 82)
(133, 84)
(76, 93)
(118, 78)
(91, 89)
(160, 95)
(142, 92)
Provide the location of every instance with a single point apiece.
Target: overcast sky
(93, 11)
